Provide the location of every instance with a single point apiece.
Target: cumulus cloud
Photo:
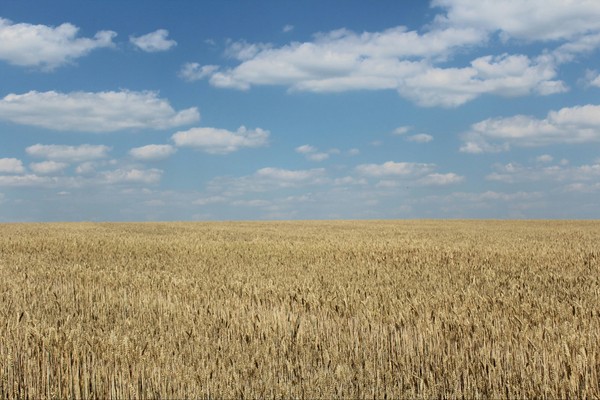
(569, 125)
(203, 201)
(312, 153)
(441, 179)
(544, 158)
(286, 175)
(133, 175)
(516, 173)
(592, 78)
(46, 47)
(70, 154)
(221, 141)
(528, 20)
(288, 28)
(154, 41)
(391, 168)
(401, 130)
(394, 59)
(420, 138)
(194, 71)
(11, 166)
(94, 111)
(48, 167)
(152, 152)
(266, 179)
(29, 180)
(504, 75)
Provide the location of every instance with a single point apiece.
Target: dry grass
(414, 309)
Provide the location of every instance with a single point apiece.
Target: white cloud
(152, 152)
(11, 166)
(94, 111)
(312, 153)
(401, 130)
(505, 75)
(46, 47)
(495, 196)
(53, 152)
(305, 149)
(569, 125)
(394, 59)
(24, 180)
(392, 168)
(420, 138)
(133, 175)
(515, 173)
(153, 41)
(288, 28)
(350, 180)
(592, 78)
(318, 157)
(289, 176)
(210, 200)
(353, 152)
(441, 179)
(194, 71)
(221, 141)
(48, 167)
(529, 20)
(544, 158)
(269, 178)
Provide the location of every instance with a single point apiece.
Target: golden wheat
(400, 309)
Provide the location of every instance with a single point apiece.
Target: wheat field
(350, 309)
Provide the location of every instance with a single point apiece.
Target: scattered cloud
(203, 201)
(154, 41)
(266, 179)
(152, 152)
(544, 158)
(70, 154)
(11, 166)
(441, 179)
(516, 173)
(592, 78)
(392, 168)
(94, 111)
(531, 20)
(30, 180)
(194, 71)
(569, 125)
(47, 47)
(312, 153)
(394, 59)
(48, 167)
(286, 175)
(221, 141)
(133, 175)
(401, 130)
(287, 28)
(420, 138)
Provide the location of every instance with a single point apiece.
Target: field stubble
(300, 309)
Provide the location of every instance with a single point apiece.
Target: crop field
(351, 309)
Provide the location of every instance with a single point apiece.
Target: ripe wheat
(415, 309)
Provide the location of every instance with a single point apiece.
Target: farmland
(349, 309)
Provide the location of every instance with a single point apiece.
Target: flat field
(348, 309)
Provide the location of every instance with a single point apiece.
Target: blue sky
(231, 110)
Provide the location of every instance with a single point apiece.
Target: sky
(146, 110)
